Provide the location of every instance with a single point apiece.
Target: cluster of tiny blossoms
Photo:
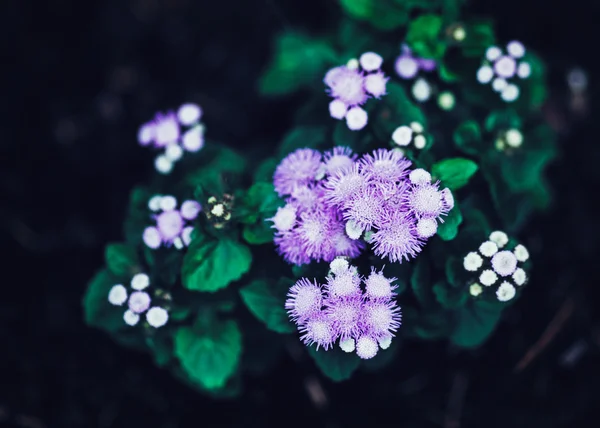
(172, 226)
(501, 265)
(351, 85)
(336, 203)
(339, 310)
(138, 302)
(166, 132)
(500, 69)
(408, 66)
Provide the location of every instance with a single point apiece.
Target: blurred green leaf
(298, 61)
(267, 302)
(475, 322)
(425, 36)
(212, 264)
(467, 137)
(449, 297)
(302, 137)
(211, 356)
(121, 259)
(420, 282)
(336, 364)
(97, 310)
(454, 173)
(382, 14)
(448, 230)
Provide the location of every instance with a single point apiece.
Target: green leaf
(259, 202)
(336, 364)
(382, 14)
(298, 61)
(97, 310)
(448, 230)
(121, 259)
(480, 36)
(209, 357)
(393, 110)
(455, 271)
(449, 298)
(312, 137)
(475, 322)
(267, 302)
(258, 234)
(266, 169)
(420, 282)
(501, 120)
(454, 173)
(467, 137)
(212, 264)
(162, 349)
(424, 36)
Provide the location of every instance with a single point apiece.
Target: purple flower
(304, 300)
(299, 168)
(344, 185)
(171, 226)
(385, 165)
(339, 159)
(377, 286)
(318, 329)
(407, 66)
(397, 239)
(364, 208)
(345, 315)
(346, 85)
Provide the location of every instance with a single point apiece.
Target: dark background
(78, 77)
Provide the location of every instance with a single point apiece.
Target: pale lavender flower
(397, 239)
(299, 168)
(375, 84)
(171, 226)
(318, 329)
(343, 285)
(139, 302)
(345, 315)
(305, 299)
(285, 218)
(339, 159)
(385, 165)
(377, 286)
(346, 85)
(166, 129)
(289, 246)
(381, 318)
(365, 208)
(407, 66)
(344, 184)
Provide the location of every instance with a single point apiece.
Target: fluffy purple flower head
(288, 245)
(397, 239)
(305, 299)
(299, 168)
(339, 159)
(318, 329)
(345, 315)
(425, 201)
(285, 218)
(365, 208)
(381, 318)
(314, 235)
(345, 284)
(375, 84)
(346, 85)
(385, 165)
(166, 129)
(307, 198)
(343, 245)
(407, 66)
(344, 184)
(171, 226)
(378, 287)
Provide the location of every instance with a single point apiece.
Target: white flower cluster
(138, 302)
(501, 69)
(510, 139)
(501, 266)
(404, 135)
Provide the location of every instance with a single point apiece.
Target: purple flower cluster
(352, 85)
(170, 228)
(362, 320)
(407, 66)
(166, 132)
(333, 202)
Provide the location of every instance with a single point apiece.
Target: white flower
(488, 248)
(285, 218)
(117, 295)
(193, 139)
(515, 49)
(353, 230)
(370, 61)
(339, 265)
(475, 289)
(448, 198)
(131, 318)
(505, 67)
(157, 317)
(348, 345)
(356, 118)
(406, 67)
(506, 291)
(337, 109)
(499, 84)
(519, 277)
(163, 164)
(472, 262)
(485, 74)
(514, 138)
(421, 90)
(352, 64)
(140, 281)
(168, 203)
(416, 127)
(419, 176)
(152, 237)
(375, 84)
(504, 263)
(154, 203)
(420, 142)
(189, 113)
(186, 235)
(173, 152)
(493, 53)
(385, 341)
(178, 243)
(446, 101)
(510, 92)
(139, 301)
(366, 347)
(524, 70)
(426, 227)
(190, 209)
(499, 238)
(488, 277)
(402, 136)
(521, 253)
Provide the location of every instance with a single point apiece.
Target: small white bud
(510, 93)
(168, 203)
(157, 317)
(406, 67)
(348, 345)
(190, 209)
(178, 243)
(370, 61)
(285, 218)
(375, 84)
(352, 64)
(446, 101)
(140, 281)
(339, 265)
(356, 119)
(353, 230)
(421, 90)
(485, 74)
(488, 248)
(524, 70)
(493, 53)
(193, 139)
(402, 136)
(475, 289)
(152, 237)
(163, 164)
(515, 49)
(519, 277)
(186, 235)
(506, 291)
(417, 127)
(420, 142)
(488, 277)
(337, 109)
(174, 152)
(419, 176)
(426, 227)
(499, 238)
(366, 347)
(472, 262)
(189, 113)
(385, 341)
(505, 67)
(117, 295)
(154, 203)
(514, 138)
(131, 318)
(499, 84)
(139, 301)
(521, 253)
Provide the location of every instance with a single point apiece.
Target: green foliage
(121, 259)
(382, 14)
(393, 110)
(259, 203)
(298, 61)
(335, 363)
(424, 33)
(448, 230)
(302, 137)
(266, 300)
(454, 173)
(420, 282)
(212, 264)
(98, 312)
(209, 355)
(475, 322)
(449, 297)
(467, 137)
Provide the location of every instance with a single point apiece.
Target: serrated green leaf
(266, 301)
(475, 322)
(448, 230)
(467, 137)
(98, 312)
(334, 363)
(121, 259)
(209, 357)
(212, 264)
(454, 173)
(425, 36)
(298, 61)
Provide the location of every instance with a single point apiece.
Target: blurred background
(77, 80)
